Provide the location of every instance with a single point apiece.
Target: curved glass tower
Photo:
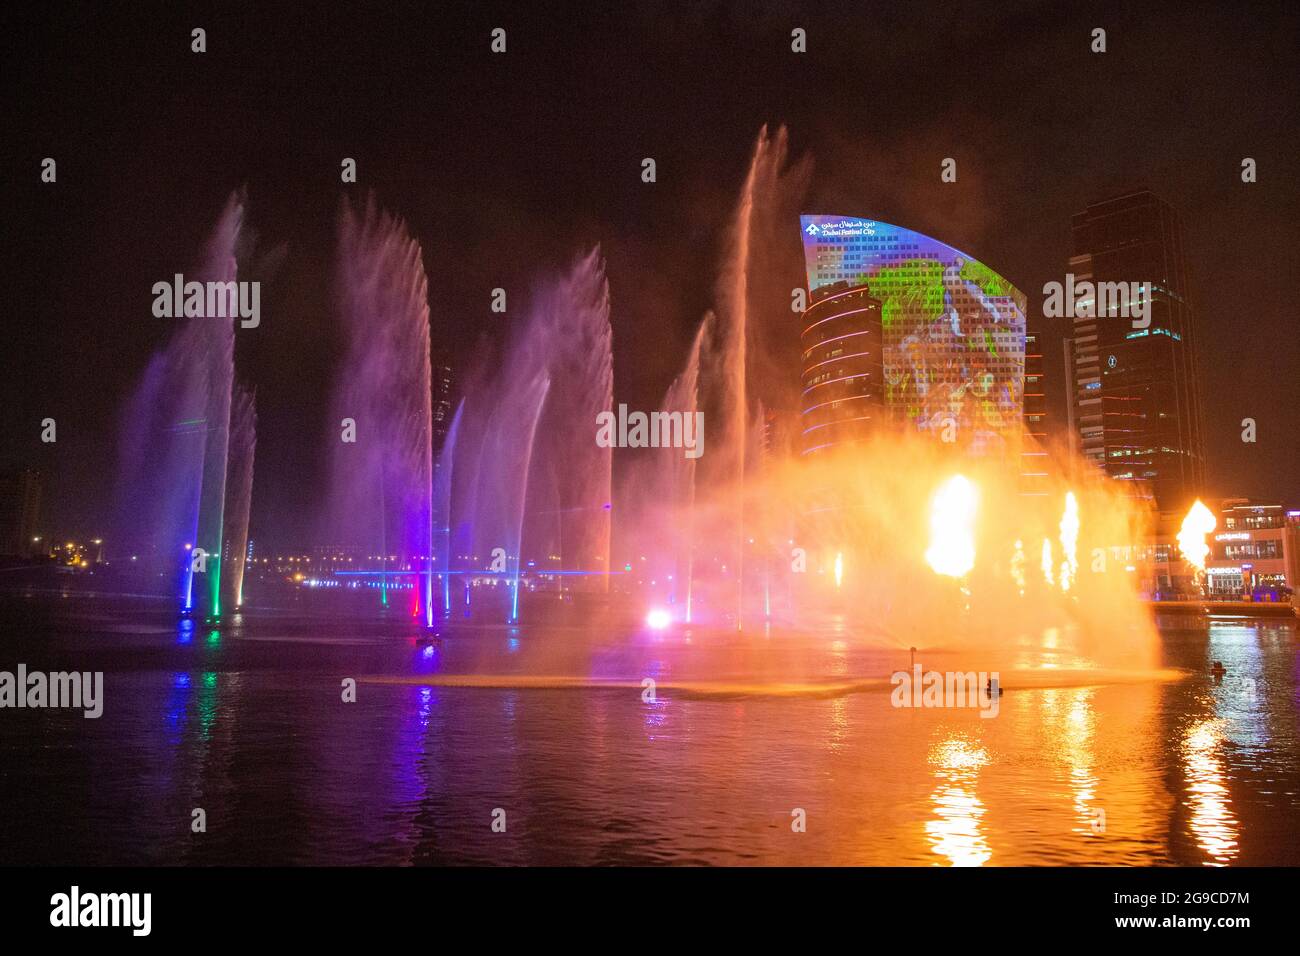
(842, 383)
(952, 330)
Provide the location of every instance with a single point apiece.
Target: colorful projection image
(953, 329)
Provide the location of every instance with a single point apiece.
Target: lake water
(248, 723)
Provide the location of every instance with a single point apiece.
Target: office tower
(1134, 404)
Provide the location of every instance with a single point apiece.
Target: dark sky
(508, 166)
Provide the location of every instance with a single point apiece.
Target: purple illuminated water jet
(239, 494)
(175, 440)
(530, 488)
(382, 463)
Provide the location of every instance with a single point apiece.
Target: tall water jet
(442, 481)
(496, 446)
(732, 330)
(684, 396)
(175, 437)
(735, 376)
(529, 484)
(568, 337)
(656, 494)
(542, 387)
(239, 494)
(381, 432)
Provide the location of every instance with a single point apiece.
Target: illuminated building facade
(952, 330)
(842, 381)
(1134, 408)
(1033, 456)
(1254, 556)
(1254, 552)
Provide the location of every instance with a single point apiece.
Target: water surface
(247, 722)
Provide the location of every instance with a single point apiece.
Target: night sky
(507, 166)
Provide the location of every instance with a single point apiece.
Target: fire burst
(952, 528)
(1191, 536)
(1069, 541)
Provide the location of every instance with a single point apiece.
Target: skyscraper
(1033, 454)
(1134, 405)
(443, 410)
(952, 331)
(843, 377)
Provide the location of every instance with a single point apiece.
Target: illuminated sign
(843, 228)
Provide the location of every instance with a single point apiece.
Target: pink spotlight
(658, 619)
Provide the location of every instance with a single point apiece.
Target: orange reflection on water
(956, 833)
(1213, 824)
(1078, 741)
(1070, 721)
(1052, 649)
